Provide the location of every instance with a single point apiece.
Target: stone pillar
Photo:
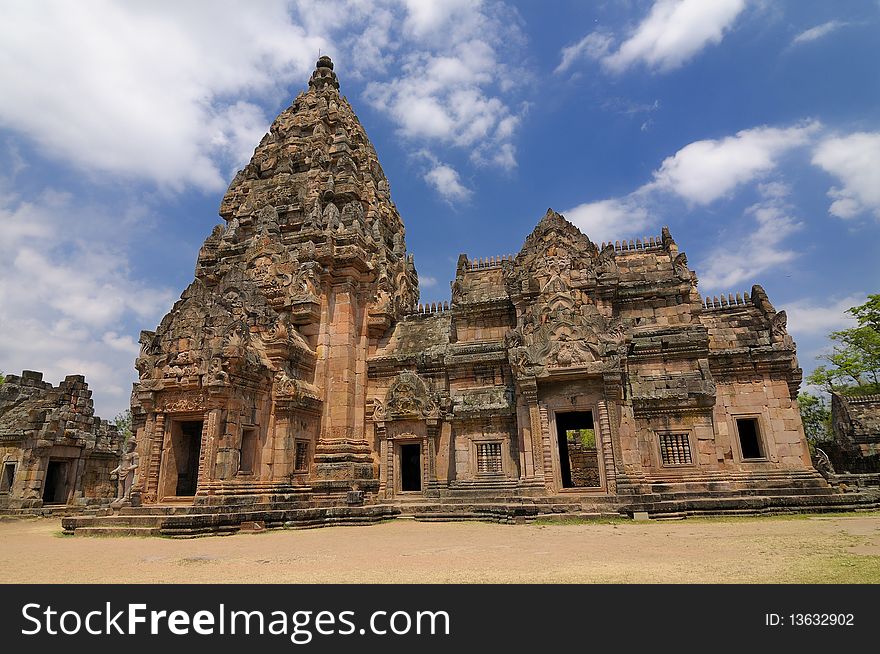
(210, 437)
(157, 442)
(431, 485)
(339, 381)
(608, 436)
(343, 458)
(534, 456)
(546, 445)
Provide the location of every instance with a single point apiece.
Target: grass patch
(581, 520)
(783, 516)
(841, 569)
(616, 520)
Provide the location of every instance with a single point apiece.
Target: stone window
(675, 450)
(749, 438)
(301, 458)
(489, 458)
(7, 478)
(248, 453)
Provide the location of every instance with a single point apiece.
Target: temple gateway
(297, 381)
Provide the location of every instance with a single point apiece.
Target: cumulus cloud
(759, 251)
(450, 90)
(447, 183)
(160, 92)
(673, 32)
(68, 296)
(426, 281)
(609, 220)
(855, 161)
(703, 171)
(808, 317)
(143, 89)
(817, 32)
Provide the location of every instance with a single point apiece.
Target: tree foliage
(854, 362)
(816, 416)
(123, 424)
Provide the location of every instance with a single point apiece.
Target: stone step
(120, 521)
(117, 531)
(753, 504)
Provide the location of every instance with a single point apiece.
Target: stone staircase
(501, 502)
(200, 520)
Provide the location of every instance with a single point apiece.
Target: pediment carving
(408, 397)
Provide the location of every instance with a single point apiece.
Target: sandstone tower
(258, 374)
(297, 372)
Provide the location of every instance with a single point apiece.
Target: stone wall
(855, 422)
(51, 435)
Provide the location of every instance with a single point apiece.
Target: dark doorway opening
(55, 483)
(578, 452)
(749, 438)
(411, 467)
(187, 451)
(8, 478)
(248, 453)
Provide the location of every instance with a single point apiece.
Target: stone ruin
(298, 382)
(852, 456)
(54, 450)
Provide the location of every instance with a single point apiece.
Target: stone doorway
(180, 469)
(55, 489)
(578, 450)
(410, 467)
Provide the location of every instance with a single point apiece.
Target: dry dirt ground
(811, 549)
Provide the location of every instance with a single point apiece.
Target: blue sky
(751, 128)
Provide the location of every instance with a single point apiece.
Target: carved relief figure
(126, 471)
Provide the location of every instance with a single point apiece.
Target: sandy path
(838, 548)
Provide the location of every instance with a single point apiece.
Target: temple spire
(323, 75)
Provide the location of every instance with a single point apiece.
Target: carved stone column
(157, 441)
(529, 391)
(431, 485)
(210, 437)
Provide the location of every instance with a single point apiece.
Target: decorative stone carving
(779, 330)
(680, 265)
(126, 471)
(409, 397)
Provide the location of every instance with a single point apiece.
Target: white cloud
(726, 267)
(703, 171)
(68, 296)
(426, 281)
(164, 92)
(447, 183)
(807, 317)
(452, 84)
(673, 32)
(817, 32)
(855, 161)
(431, 18)
(609, 220)
(143, 89)
(594, 45)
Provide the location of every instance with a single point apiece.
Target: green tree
(816, 416)
(868, 314)
(123, 424)
(855, 358)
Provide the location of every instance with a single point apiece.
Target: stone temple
(297, 381)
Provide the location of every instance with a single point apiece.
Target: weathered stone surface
(855, 422)
(53, 449)
(298, 364)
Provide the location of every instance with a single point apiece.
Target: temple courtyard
(838, 548)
